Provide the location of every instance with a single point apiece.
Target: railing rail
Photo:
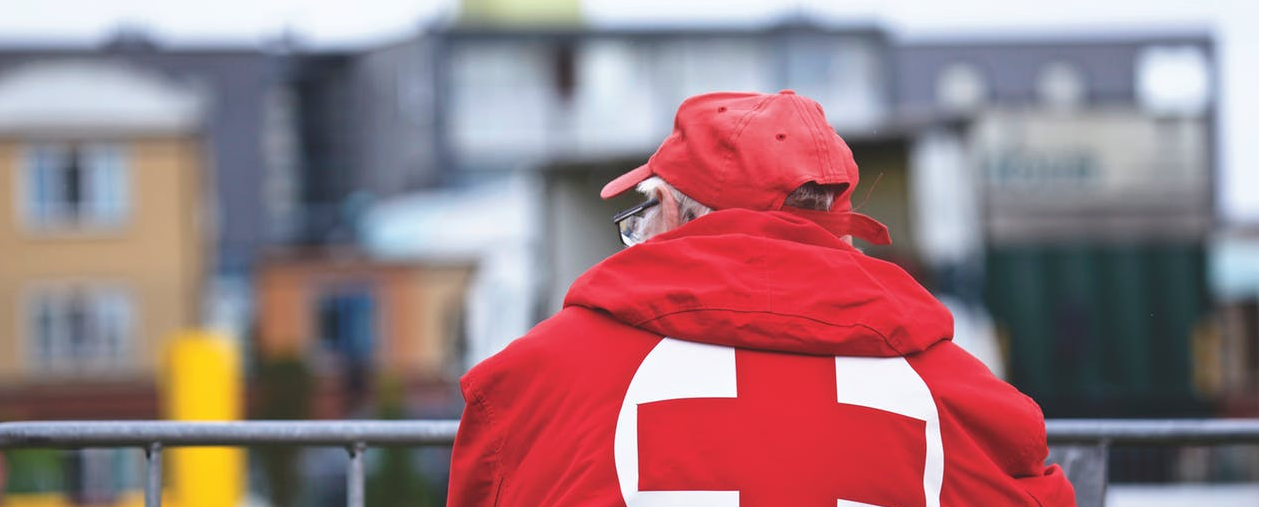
(1152, 431)
(1082, 441)
(75, 434)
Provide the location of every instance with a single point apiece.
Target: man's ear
(660, 195)
(669, 208)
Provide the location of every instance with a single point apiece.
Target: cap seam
(826, 129)
(740, 128)
(814, 135)
(820, 153)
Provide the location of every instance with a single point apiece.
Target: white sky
(324, 23)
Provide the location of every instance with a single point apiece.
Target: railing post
(355, 476)
(1087, 468)
(153, 475)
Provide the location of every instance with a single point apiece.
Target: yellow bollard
(203, 383)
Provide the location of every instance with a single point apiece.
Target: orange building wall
(415, 304)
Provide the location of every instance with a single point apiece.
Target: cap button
(787, 92)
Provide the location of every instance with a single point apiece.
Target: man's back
(747, 359)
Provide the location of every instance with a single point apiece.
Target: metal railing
(1080, 445)
(153, 436)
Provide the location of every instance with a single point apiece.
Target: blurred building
(245, 191)
(284, 150)
(148, 190)
(1089, 170)
(363, 124)
(362, 132)
(104, 252)
(102, 229)
(356, 321)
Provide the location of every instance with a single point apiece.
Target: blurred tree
(395, 482)
(285, 387)
(32, 471)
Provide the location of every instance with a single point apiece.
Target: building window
(75, 185)
(564, 71)
(1173, 80)
(98, 476)
(346, 319)
(80, 329)
(1061, 86)
(961, 87)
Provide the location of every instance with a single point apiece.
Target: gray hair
(810, 195)
(653, 223)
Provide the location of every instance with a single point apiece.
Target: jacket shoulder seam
(500, 439)
(884, 338)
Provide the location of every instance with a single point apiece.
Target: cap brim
(626, 181)
(847, 222)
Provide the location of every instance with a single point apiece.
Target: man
(743, 353)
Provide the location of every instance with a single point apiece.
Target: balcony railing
(1080, 445)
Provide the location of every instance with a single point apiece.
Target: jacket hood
(768, 281)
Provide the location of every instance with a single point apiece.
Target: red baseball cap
(750, 150)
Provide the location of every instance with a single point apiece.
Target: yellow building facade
(151, 261)
(102, 256)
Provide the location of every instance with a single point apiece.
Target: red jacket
(747, 359)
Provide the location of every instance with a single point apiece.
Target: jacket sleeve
(476, 473)
(1051, 488)
(1048, 484)
(994, 428)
